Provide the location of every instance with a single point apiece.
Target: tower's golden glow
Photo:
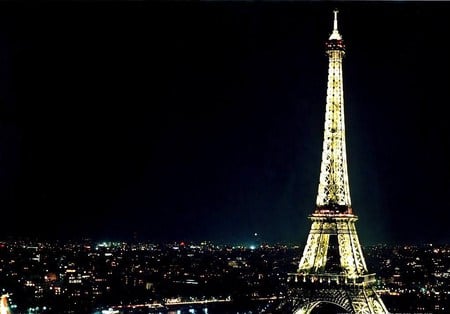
(4, 307)
(334, 192)
(348, 284)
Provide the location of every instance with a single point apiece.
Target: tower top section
(335, 41)
(335, 34)
(333, 195)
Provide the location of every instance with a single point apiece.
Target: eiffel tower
(332, 268)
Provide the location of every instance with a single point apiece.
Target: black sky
(203, 120)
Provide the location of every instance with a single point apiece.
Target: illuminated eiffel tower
(332, 268)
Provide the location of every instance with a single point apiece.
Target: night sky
(203, 120)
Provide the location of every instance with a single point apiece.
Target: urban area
(111, 277)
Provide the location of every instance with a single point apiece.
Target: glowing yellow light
(4, 308)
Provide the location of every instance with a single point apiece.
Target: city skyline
(89, 277)
(190, 121)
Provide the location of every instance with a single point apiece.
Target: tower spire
(335, 34)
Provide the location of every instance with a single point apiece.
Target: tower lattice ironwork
(332, 268)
